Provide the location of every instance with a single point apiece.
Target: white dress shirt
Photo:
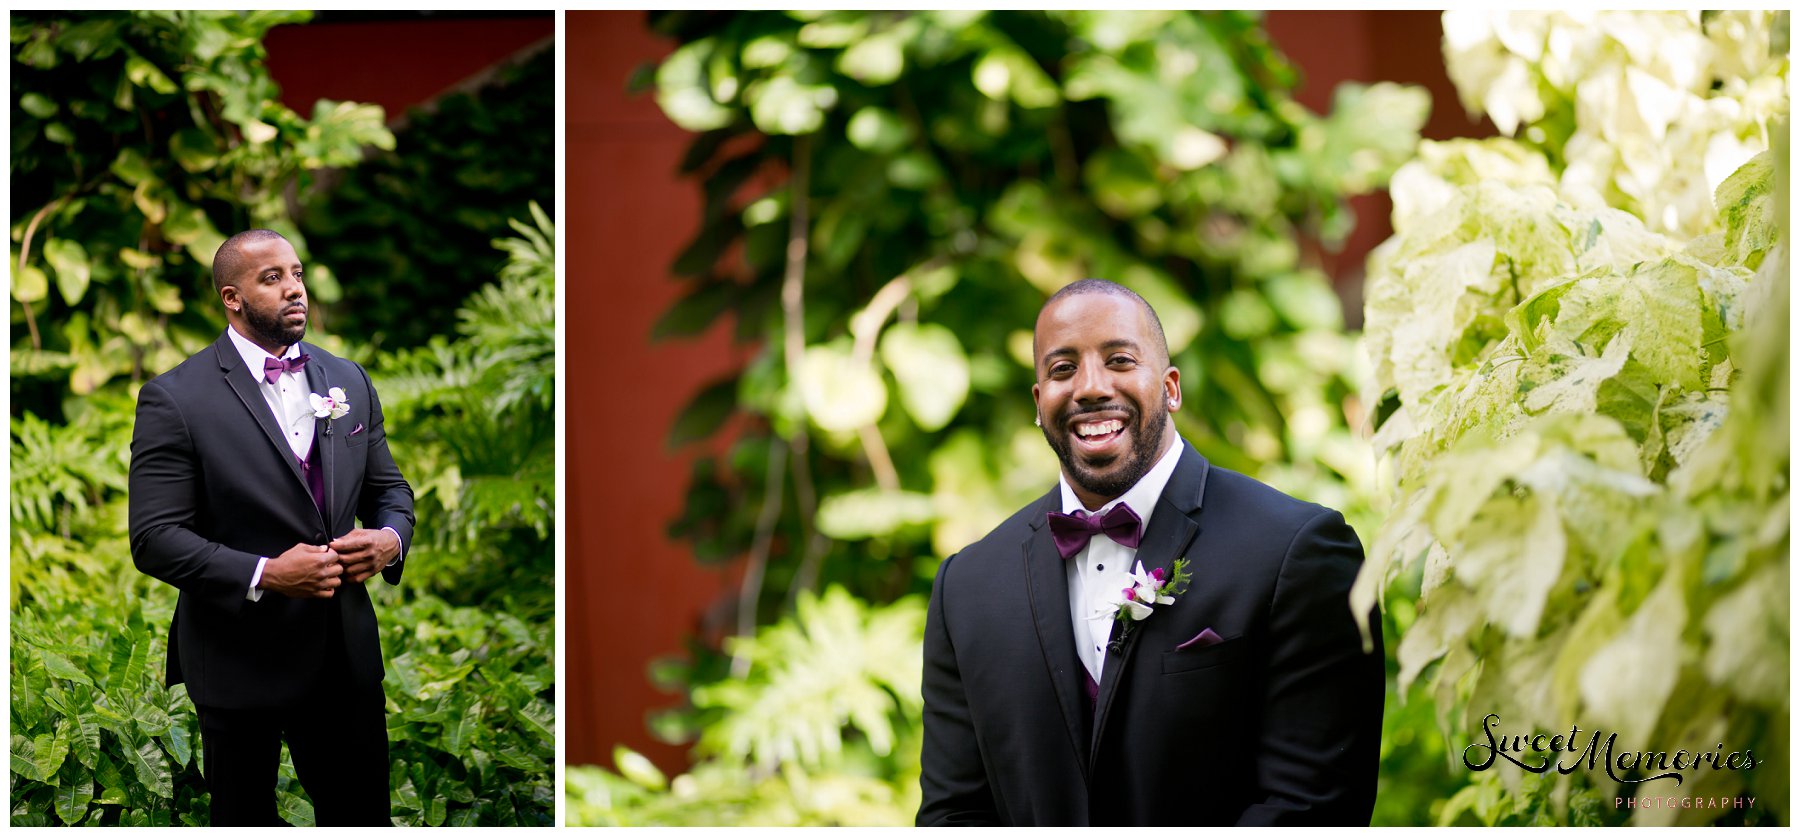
(1102, 569)
(289, 399)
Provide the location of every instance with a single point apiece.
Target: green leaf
(537, 718)
(30, 285)
(874, 61)
(194, 149)
(878, 130)
(152, 769)
(459, 733)
(872, 512)
(784, 105)
(179, 743)
(69, 261)
(294, 809)
(681, 89)
(840, 392)
(72, 800)
(933, 372)
(705, 413)
(131, 167)
(145, 74)
(50, 751)
(38, 105)
(635, 767)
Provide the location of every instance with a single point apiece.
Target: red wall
(630, 593)
(392, 63)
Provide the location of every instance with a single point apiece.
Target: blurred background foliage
(1579, 340)
(888, 200)
(139, 141)
(422, 214)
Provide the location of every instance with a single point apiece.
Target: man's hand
(306, 571)
(365, 551)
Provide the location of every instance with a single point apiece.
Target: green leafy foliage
(822, 731)
(481, 410)
(139, 141)
(1583, 404)
(412, 223)
(889, 197)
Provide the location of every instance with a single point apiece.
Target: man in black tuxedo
(1247, 699)
(250, 464)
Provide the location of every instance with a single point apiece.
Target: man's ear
(229, 295)
(1172, 387)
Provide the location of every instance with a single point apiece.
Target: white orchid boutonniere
(1147, 590)
(333, 405)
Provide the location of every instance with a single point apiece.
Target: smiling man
(251, 463)
(1156, 641)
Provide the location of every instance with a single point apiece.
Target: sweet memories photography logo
(1578, 749)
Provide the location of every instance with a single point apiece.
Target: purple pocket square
(1202, 639)
(359, 429)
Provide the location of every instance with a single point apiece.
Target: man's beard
(1146, 441)
(270, 329)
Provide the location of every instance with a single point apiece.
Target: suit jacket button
(318, 536)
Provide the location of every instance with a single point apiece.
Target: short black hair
(1109, 288)
(228, 260)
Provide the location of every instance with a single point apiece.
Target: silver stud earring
(1038, 420)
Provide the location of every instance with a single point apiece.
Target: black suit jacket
(1280, 723)
(214, 487)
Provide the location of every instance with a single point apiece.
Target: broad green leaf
(681, 89)
(38, 105)
(1748, 638)
(933, 372)
(50, 751)
(874, 61)
(784, 105)
(152, 769)
(459, 733)
(69, 261)
(1746, 202)
(841, 394)
(294, 809)
(72, 800)
(30, 285)
(878, 130)
(872, 512)
(637, 768)
(179, 743)
(1626, 683)
(131, 167)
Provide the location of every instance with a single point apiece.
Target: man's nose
(293, 288)
(1092, 383)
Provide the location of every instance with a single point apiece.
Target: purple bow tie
(1073, 531)
(273, 367)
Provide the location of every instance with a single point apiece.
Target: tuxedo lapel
(1172, 529)
(1047, 579)
(243, 383)
(319, 378)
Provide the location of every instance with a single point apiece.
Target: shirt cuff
(255, 595)
(398, 539)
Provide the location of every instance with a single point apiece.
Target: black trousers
(337, 736)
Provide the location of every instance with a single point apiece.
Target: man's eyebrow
(1115, 343)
